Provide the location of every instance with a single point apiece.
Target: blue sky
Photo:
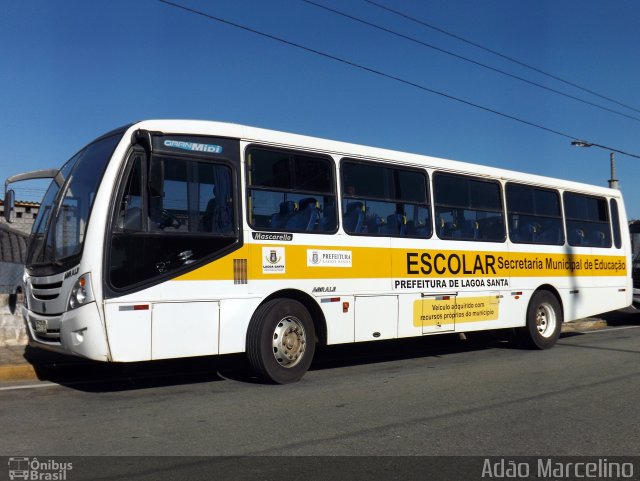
(72, 70)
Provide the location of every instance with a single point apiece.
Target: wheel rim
(545, 320)
(289, 341)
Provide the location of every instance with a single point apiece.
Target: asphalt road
(436, 396)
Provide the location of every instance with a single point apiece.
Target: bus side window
(587, 220)
(290, 191)
(378, 200)
(615, 220)
(534, 215)
(468, 208)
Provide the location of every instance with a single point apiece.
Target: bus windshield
(59, 229)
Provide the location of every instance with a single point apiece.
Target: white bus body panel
(183, 329)
(221, 312)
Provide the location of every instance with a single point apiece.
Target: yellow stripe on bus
(297, 262)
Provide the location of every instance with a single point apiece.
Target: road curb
(17, 372)
(583, 325)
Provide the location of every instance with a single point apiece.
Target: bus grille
(46, 292)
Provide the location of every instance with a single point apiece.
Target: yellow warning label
(433, 312)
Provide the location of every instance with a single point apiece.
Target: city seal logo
(315, 258)
(273, 260)
(273, 257)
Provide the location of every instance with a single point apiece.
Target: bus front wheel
(281, 341)
(544, 321)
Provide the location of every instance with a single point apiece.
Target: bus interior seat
(550, 236)
(279, 219)
(471, 229)
(354, 217)
(423, 229)
(531, 232)
(576, 237)
(448, 230)
(395, 225)
(305, 217)
(328, 219)
(597, 238)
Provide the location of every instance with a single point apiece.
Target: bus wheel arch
(281, 338)
(319, 320)
(544, 318)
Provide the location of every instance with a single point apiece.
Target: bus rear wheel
(544, 321)
(281, 341)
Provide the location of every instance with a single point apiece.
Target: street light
(613, 182)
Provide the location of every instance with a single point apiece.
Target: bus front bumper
(78, 332)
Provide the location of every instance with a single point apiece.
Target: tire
(544, 321)
(281, 341)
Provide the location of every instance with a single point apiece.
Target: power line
(466, 59)
(494, 52)
(368, 69)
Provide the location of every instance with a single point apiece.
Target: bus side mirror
(9, 205)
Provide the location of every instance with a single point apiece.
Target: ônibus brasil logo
(35, 469)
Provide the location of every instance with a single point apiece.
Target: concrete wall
(25, 214)
(13, 246)
(12, 329)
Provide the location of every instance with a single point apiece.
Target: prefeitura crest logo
(273, 260)
(273, 257)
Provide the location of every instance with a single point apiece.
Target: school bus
(175, 238)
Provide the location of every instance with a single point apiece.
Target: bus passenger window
(534, 215)
(587, 220)
(290, 191)
(468, 209)
(384, 201)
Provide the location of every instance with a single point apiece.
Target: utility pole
(613, 182)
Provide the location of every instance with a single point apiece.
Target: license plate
(41, 326)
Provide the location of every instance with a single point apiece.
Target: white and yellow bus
(173, 238)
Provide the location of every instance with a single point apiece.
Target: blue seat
(396, 225)
(576, 237)
(279, 219)
(306, 216)
(353, 220)
(328, 219)
(470, 229)
(550, 235)
(597, 238)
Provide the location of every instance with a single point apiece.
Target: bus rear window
(587, 220)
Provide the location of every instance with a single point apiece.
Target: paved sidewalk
(18, 363)
(28, 363)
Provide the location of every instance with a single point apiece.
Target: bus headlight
(81, 293)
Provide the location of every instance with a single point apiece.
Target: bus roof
(345, 149)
